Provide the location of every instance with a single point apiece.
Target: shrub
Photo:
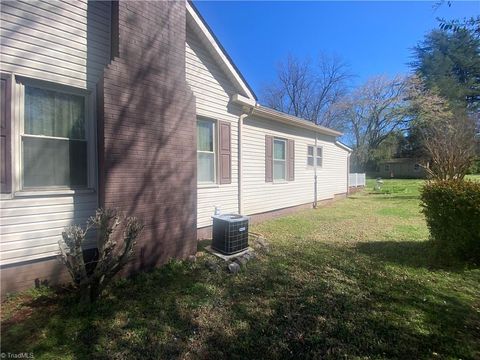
(91, 278)
(452, 211)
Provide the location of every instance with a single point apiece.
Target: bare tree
(447, 135)
(308, 90)
(371, 113)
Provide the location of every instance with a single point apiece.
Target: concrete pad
(227, 257)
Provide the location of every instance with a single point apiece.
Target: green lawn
(473, 177)
(351, 280)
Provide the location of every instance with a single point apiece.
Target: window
(54, 141)
(416, 167)
(206, 151)
(310, 155)
(279, 160)
(319, 156)
(387, 167)
(314, 155)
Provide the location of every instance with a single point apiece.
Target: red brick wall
(27, 275)
(147, 131)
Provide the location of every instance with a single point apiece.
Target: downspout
(315, 173)
(348, 174)
(239, 154)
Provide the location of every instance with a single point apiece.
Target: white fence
(356, 179)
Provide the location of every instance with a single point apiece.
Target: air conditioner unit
(230, 233)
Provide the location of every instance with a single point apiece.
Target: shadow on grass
(144, 317)
(414, 254)
(405, 253)
(336, 311)
(326, 303)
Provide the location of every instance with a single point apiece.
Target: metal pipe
(239, 154)
(315, 173)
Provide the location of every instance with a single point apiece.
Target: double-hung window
(311, 155)
(279, 159)
(319, 156)
(206, 150)
(314, 154)
(54, 139)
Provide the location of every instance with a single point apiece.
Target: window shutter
(268, 158)
(5, 134)
(291, 160)
(225, 153)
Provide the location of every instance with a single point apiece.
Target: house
(136, 106)
(402, 168)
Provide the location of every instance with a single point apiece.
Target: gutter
(265, 112)
(343, 146)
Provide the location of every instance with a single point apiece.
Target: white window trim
(214, 183)
(315, 157)
(284, 180)
(18, 121)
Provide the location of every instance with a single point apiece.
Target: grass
(350, 280)
(473, 177)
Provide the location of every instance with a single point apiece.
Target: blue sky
(372, 37)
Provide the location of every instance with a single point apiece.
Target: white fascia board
(293, 120)
(242, 100)
(343, 146)
(217, 50)
(268, 113)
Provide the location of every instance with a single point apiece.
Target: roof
(275, 114)
(263, 111)
(400, 160)
(217, 48)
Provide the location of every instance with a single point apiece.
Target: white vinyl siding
(259, 196)
(57, 41)
(31, 227)
(60, 43)
(212, 90)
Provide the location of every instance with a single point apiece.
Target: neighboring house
(136, 106)
(402, 168)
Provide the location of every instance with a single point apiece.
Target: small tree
(450, 143)
(92, 278)
(447, 135)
